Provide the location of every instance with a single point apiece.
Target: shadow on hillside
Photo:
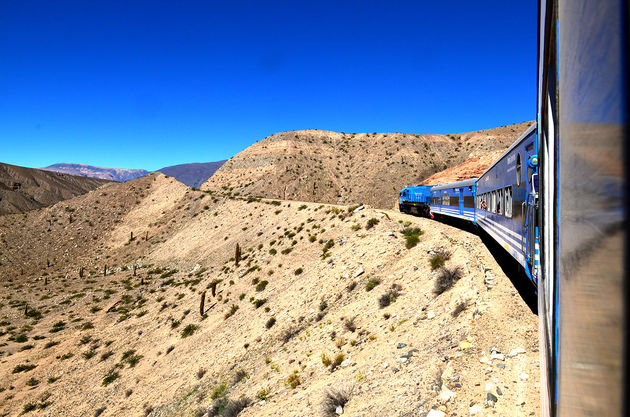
(511, 268)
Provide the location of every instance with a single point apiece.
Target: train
(556, 202)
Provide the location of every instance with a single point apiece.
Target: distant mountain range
(192, 175)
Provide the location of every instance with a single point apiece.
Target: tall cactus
(237, 255)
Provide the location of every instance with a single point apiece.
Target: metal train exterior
(557, 200)
(454, 200)
(415, 199)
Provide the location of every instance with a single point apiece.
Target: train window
(518, 170)
(493, 202)
(469, 201)
(508, 202)
(454, 201)
(446, 199)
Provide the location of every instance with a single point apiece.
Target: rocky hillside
(111, 174)
(331, 167)
(23, 189)
(330, 309)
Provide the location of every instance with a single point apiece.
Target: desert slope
(23, 189)
(331, 167)
(116, 343)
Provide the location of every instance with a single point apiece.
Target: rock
(430, 314)
(401, 345)
(500, 365)
(436, 413)
(446, 395)
(403, 359)
(523, 376)
(339, 410)
(490, 397)
(358, 209)
(489, 387)
(392, 234)
(499, 392)
(498, 356)
(360, 272)
(415, 267)
(516, 351)
(345, 363)
(474, 409)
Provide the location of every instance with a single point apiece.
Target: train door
(461, 201)
(531, 202)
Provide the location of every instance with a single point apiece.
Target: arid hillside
(330, 309)
(343, 168)
(23, 189)
(472, 167)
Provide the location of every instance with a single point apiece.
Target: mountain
(325, 299)
(344, 168)
(23, 189)
(193, 174)
(112, 174)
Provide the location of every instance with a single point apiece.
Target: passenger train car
(556, 202)
(454, 200)
(507, 198)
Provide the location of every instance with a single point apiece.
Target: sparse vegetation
(439, 258)
(189, 330)
(371, 223)
(333, 399)
(110, 377)
(270, 322)
(372, 283)
(412, 236)
(23, 368)
(446, 279)
(293, 380)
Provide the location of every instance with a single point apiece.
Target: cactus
(131, 237)
(105, 271)
(213, 287)
(237, 255)
(134, 269)
(81, 272)
(203, 302)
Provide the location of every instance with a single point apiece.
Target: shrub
(350, 325)
(261, 285)
(234, 407)
(289, 333)
(270, 322)
(32, 382)
(390, 296)
(23, 368)
(293, 380)
(189, 330)
(200, 373)
(28, 407)
(459, 308)
(446, 279)
(338, 360)
(89, 354)
(239, 376)
(298, 271)
(355, 227)
(106, 355)
(326, 360)
(110, 377)
(372, 282)
(333, 400)
(258, 303)
(232, 311)
(262, 394)
(219, 391)
(272, 251)
(57, 327)
(439, 258)
(323, 305)
(412, 236)
(371, 223)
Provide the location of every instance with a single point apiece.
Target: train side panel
(455, 200)
(506, 200)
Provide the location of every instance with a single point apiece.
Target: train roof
(464, 183)
(512, 146)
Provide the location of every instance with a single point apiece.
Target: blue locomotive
(415, 199)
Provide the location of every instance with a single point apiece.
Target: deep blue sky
(146, 84)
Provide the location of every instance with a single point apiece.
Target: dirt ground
(315, 283)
